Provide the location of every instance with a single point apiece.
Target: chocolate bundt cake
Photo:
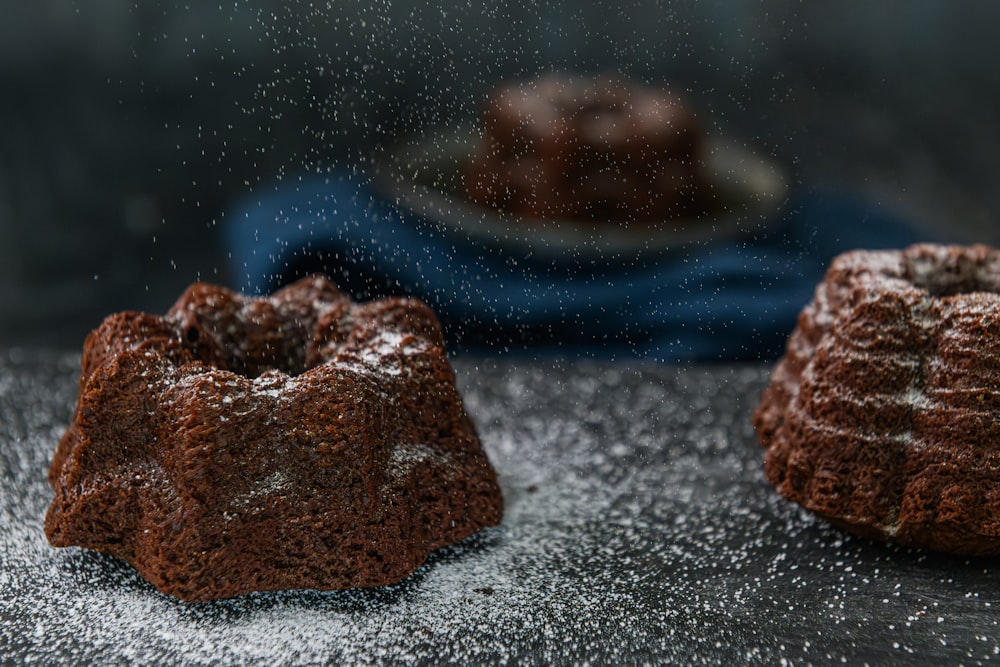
(598, 149)
(245, 444)
(883, 416)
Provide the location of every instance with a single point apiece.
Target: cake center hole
(249, 354)
(951, 279)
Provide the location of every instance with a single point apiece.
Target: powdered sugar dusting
(389, 344)
(274, 384)
(638, 529)
(269, 485)
(383, 355)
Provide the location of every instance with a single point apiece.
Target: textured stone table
(639, 529)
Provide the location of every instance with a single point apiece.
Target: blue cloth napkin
(721, 301)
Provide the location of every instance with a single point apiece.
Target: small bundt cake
(245, 444)
(883, 416)
(587, 149)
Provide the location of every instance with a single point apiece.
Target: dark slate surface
(639, 528)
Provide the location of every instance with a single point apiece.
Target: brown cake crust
(588, 149)
(882, 417)
(245, 444)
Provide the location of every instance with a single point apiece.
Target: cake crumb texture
(244, 444)
(882, 415)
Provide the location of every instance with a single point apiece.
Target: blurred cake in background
(605, 148)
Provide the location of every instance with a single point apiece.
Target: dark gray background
(127, 129)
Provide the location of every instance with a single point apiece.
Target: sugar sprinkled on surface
(638, 529)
